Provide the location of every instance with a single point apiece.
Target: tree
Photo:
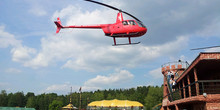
(55, 105)
(154, 97)
(31, 102)
(97, 96)
(17, 99)
(3, 98)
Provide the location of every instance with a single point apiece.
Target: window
(140, 24)
(124, 22)
(132, 23)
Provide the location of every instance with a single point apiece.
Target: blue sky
(35, 59)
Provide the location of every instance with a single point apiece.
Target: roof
(115, 103)
(203, 60)
(70, 106)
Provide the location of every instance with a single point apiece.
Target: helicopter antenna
(116, 9)
(204, 48)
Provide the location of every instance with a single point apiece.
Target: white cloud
(60, 88)
(156, 73)
(22, 53)
(19, 52)
(7, 39)
(117, 78)
(217, 49)
(90, 50)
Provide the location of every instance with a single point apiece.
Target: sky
(35, 59)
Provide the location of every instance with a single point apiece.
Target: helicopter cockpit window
(141, 24)
(125, 23)
(132, 23)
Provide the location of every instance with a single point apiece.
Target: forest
(149, 96)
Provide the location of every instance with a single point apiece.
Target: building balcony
(206, 87)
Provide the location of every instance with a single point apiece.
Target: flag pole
(80, 100)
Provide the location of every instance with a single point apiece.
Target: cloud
(7, 39)
(217, 49)
(89, 49)
(167, 20)
(65, 88)
(156, 73)
(104, 58)
(22, 53)
(117, 78)
(19, 52)
(59, 88)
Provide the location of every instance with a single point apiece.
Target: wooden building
(197, 85)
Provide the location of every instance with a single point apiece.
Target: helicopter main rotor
(117, 10)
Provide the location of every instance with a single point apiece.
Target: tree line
(149, 96)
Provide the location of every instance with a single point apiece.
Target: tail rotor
(58, 24)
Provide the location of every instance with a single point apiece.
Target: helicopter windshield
(130, 22)
(141, 24)
(125, 23)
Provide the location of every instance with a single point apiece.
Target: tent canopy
(115, 103)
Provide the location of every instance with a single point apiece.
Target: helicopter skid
(126, 44)
(129, 42)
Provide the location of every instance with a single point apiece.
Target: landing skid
(129, 39)
(126, 44)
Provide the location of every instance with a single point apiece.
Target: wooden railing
(205, 87)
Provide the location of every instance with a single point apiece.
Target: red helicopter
(121, 29)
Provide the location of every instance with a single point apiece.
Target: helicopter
(121, 29)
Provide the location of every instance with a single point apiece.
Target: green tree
(17, 99)
(97, 96)
(3, 98)
(154, 97)
(31, 102)
(55, 105)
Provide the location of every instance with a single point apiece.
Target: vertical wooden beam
(184, 90)
(196, 79)
(176, 107)
(180, 90)
(189, 87)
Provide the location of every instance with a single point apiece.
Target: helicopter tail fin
(58, 24)
(119, 17)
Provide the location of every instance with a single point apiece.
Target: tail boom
(59, 26)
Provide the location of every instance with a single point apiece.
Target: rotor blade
(205, 48)
(114, 9)
(103, 4)
(131, 15)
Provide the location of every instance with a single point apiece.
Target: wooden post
(168, 108)
(180, 90)
(184, 90)
(176, 107)
(189, 87)
(196, 79)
